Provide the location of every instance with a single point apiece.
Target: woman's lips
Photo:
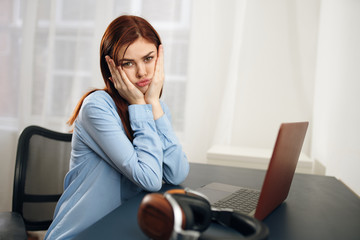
(143, 83)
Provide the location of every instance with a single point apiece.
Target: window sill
(255, 158)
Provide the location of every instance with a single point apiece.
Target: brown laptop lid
(281, 168)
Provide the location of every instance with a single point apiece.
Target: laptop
(277, 181)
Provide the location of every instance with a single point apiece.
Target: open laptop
(277, 181)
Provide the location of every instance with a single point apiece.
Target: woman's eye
(148, 59)
(127, 64)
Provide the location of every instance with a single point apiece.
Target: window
(64, 55)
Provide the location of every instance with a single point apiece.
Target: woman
(123, 141)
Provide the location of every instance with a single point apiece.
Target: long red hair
(122, 31)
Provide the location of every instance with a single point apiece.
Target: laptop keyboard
(243, 200)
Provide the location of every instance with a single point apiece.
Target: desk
(318, 207)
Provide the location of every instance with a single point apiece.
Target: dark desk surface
(318, 207)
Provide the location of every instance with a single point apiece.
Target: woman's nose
(141, 71)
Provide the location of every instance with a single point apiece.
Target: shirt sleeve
(140, 161)
(175, 164)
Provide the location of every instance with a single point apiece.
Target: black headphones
(185, 214)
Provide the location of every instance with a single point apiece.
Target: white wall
(336, 136)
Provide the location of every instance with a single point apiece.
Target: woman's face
(138, 62)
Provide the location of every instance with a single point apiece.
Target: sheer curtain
(60, 44)
(255, 64)
(252, 67)
(49, 54)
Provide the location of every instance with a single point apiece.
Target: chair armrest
(12, 226)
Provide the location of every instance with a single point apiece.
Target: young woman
(123, 141)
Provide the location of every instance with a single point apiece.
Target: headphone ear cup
(197, 211)
(156, 217)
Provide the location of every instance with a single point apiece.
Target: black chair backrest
(42, 161)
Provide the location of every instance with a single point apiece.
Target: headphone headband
(178, 231)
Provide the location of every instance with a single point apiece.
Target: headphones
(185, 214)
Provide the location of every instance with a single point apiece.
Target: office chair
(42, 161)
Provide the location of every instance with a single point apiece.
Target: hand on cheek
(121, 82)
(152, 95)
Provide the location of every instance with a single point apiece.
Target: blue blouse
(106, 169)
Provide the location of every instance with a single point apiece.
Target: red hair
(122, 31)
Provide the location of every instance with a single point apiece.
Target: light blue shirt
(106, 169)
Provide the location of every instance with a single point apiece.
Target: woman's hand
(126, 89)
(152, 95)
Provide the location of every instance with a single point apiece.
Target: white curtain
(58, 46)
(49, 57)
(252, 67)
(294, 60)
